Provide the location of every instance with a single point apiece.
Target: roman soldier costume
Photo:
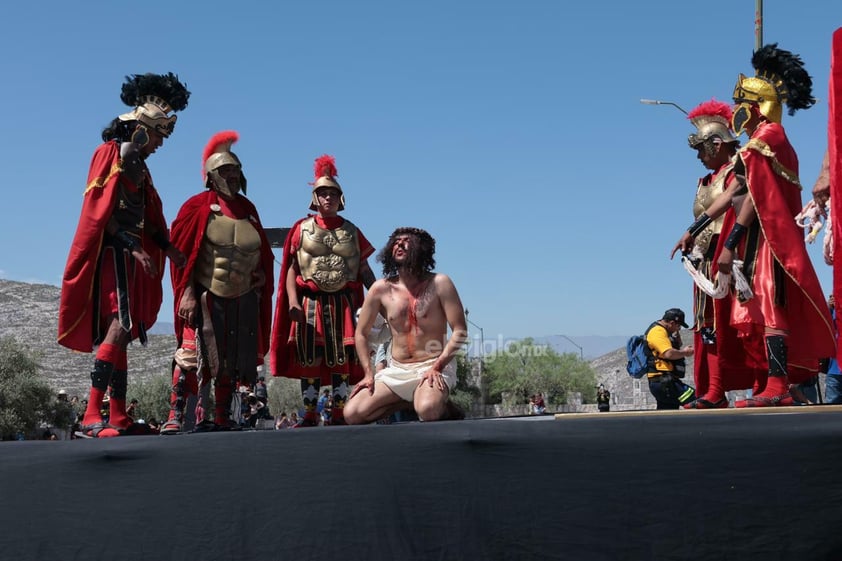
(712, 120)
(326, 254)
(229, 276)
(787, 294)
(121, 218)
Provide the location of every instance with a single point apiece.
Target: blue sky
(512, 131)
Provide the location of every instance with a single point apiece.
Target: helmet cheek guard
(765, 91)
(742, 115)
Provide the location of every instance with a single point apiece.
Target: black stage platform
(709, 485)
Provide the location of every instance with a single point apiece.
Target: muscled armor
(707, 192)
(228, 255)
(330, 258)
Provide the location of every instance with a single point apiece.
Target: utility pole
(480, 381)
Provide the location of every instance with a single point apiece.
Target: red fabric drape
(834, 148)
(76, 307)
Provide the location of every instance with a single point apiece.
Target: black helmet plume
(771, 62)
(166, 87)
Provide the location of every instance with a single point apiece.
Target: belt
(662, 378)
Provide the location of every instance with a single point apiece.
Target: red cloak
(771, 175)
(284, 361)
(834, 149)
(78, 302)
(741, 355)
(733, 360)
(187, 234)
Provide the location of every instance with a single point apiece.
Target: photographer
(603, 398)
(668, 367)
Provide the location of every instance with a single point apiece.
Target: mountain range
(29, 314)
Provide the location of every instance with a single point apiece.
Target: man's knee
(359, 409)
(352, 413)
(430, 409)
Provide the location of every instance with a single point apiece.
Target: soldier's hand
(685, 244)
(149, 266)
(726, 261)
(258, 278)
(296, 314)
(178, 259)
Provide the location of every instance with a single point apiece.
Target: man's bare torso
(417, 319)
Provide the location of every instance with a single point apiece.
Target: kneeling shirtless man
(419, 305)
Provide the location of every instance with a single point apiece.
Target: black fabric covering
(617, 486)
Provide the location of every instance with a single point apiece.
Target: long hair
(420, 253)
(119, 130)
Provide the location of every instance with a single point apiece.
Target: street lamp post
(481, 335)
(659, 102)
(481, 382)
(581, 351)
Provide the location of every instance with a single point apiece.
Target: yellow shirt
(659, 342)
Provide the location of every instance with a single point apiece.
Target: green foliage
(152, 395)
(524, 368)
(465, 393)
(61, 414)
(26, 400)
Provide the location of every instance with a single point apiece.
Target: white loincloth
(403, 378)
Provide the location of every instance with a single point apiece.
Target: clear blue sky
(512, 131)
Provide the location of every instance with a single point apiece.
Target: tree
(152, 395)
(524, 368)
(465, 393)
(26, 400)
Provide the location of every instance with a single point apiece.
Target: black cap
(674, 314)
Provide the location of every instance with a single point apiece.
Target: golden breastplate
(710, 187)
(228, 255)
(329, 258)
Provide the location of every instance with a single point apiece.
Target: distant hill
(29, 313)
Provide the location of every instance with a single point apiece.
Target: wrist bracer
(700, 224)
(737, 233)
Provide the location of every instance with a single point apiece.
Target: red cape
(187, 233)
(741, 356)
(777, 202)
(76, 307)
(736, 360)
(281, 351)
(834, 149)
